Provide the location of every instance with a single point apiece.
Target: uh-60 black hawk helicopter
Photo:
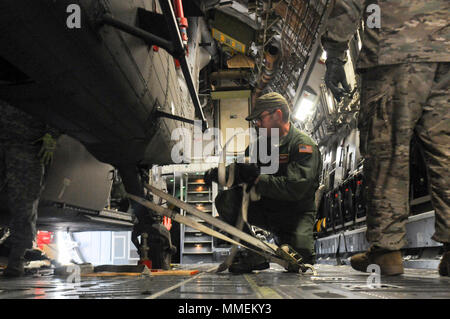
(116, 78)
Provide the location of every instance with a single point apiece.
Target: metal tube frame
(148, 37)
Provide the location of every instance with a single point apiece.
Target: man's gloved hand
(47, 149)
(334, 75)
(211, 175)
(247, 173)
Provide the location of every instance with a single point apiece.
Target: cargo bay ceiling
(259, 46)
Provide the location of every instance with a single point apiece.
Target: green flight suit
(287, 206)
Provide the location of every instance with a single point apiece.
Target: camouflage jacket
(18, 127)
(409, 31)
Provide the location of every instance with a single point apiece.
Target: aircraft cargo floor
(332, 282)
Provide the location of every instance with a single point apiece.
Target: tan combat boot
(390, 261)
(444, 265)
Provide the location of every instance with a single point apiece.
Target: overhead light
(359, 40)
(323, 57)
(330, 103)
(305, 105)
(304, 109)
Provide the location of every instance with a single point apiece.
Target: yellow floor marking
(263, 292)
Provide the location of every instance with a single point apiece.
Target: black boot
(246, 261)
(444, 265)
(16, 262)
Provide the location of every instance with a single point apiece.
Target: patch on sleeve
(303, 148)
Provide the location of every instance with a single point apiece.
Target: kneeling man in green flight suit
(287, 197)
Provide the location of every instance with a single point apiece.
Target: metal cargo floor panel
(332, 282)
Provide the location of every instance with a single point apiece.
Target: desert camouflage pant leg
(433, 130)
(21, 173)
(399, 101)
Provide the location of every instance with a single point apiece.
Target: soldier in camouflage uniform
(26, 145)
(405, 69)
(287, 205)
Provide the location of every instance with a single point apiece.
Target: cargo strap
(284, 256)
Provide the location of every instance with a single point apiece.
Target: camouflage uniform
(21, 172)
(405, 90)
(287, 206)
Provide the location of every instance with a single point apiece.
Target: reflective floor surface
(331, 282)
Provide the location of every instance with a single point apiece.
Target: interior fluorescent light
(330, 102)
(304, 109)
